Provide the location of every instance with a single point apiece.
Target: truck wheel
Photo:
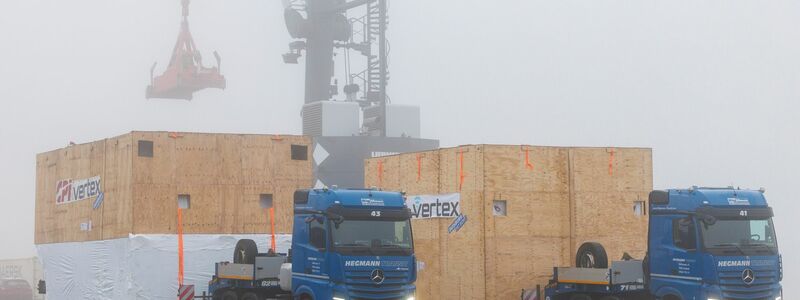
(250, 296)
(245, 252)
(580, 297)
(230, 295)
(591, 255)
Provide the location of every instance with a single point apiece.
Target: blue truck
(346, 245)
(703, 243)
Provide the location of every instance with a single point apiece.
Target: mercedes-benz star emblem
(377, 276)
(748, 277)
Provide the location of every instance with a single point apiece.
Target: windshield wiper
(768, 248)
(396, 248)
(731, 245)
(352, 245)
(355, 247)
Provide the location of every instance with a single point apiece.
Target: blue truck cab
(351, 245)
(712, 243)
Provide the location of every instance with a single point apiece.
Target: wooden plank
(117, 206)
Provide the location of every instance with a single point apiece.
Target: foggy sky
(711, 86)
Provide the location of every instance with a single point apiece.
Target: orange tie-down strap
(528, 163)
(611, 162)
(272, 228)
(180, 246)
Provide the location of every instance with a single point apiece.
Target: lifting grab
(185, 73)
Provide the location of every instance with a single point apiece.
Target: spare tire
(245, 252)
(591, 255)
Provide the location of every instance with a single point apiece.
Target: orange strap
(180, 246)
(272, 228)
(380, 173)
(419, 167)
(461, 170)
(528, 163)
(611, 163)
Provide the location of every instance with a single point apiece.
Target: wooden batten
(224, 174)
(557, 198)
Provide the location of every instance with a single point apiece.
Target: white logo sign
(434, 206)
(68, 191)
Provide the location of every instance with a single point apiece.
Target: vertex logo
(437, 209)
(362, 263)
(733, 263)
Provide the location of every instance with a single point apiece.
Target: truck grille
(734, 288)
(362, 288)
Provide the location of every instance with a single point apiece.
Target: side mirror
(41, 287)
(709, 220)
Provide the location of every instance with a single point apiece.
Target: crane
(185, 73)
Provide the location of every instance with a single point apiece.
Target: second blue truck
(703, 244)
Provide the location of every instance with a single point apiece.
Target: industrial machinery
(185, 73)
(703, 243)
(346, 244)
(364, 123)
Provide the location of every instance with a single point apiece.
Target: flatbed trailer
(258, 280)
(624, 280)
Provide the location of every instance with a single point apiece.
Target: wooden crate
(224, 174)
(557, 198)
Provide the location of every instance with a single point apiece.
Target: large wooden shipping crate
(556, 199)
(138, 177)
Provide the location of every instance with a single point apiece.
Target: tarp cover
(138, 267)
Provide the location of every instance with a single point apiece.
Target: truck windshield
(373, 237)
(747, 237)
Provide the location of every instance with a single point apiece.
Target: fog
(711, 86)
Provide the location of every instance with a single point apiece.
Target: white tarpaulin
(138, 267)
(434, 206)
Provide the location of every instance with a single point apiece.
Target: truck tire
(249, 296)
(230, 295)
(245, 252)
(591, 255)
(580, 297)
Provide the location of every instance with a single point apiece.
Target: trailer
(624, 279)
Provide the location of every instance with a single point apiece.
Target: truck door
(315, 254)
(674, 260)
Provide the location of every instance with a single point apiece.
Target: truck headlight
(337, 296)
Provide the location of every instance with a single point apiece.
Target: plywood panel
(60, 223)
(507, 168)
(117, 217)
